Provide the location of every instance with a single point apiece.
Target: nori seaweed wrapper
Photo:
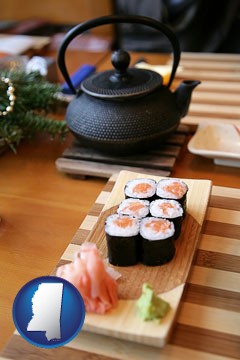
(157, 252)
(123, 250)
(178, 225)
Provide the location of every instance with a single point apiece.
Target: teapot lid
(122, 82)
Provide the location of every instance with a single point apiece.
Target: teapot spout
(183, 95)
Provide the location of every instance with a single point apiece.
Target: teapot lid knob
(120, 60)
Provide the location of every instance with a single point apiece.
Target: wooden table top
(41, 209)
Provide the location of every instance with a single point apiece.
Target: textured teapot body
(124, 126)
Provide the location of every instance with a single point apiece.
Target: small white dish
(220, 142)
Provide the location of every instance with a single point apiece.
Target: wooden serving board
(167, 280)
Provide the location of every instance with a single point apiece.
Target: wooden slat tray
(217, 97)
(167, 280)
(208, 321)
(78, 160)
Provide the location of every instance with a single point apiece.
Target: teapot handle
(116, 19)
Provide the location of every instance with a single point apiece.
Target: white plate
(220, 142)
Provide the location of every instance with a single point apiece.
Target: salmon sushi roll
(134, 207)
(168, 209)
(123, 240)
(173, 189)
(157, 241)
(144, 189)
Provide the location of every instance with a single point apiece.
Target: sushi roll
(157, 241)
(144, 189)
(134, 207)
(168, 209)
(122, 234)
(174, 189)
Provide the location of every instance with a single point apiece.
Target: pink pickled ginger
(92, 278)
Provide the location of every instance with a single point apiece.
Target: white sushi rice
(163, 192)
(147, 230)
(112, 228)
(127, 207)
(166, 208)
(131, 186)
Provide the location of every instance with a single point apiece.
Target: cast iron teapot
(125, 110)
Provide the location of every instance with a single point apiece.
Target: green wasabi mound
(150, 306)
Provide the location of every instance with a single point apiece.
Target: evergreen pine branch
(35, 97)
(10, 135)
(33, 123)
(32, 91)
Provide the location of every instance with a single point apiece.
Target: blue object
(77, 77)
(48, 311)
